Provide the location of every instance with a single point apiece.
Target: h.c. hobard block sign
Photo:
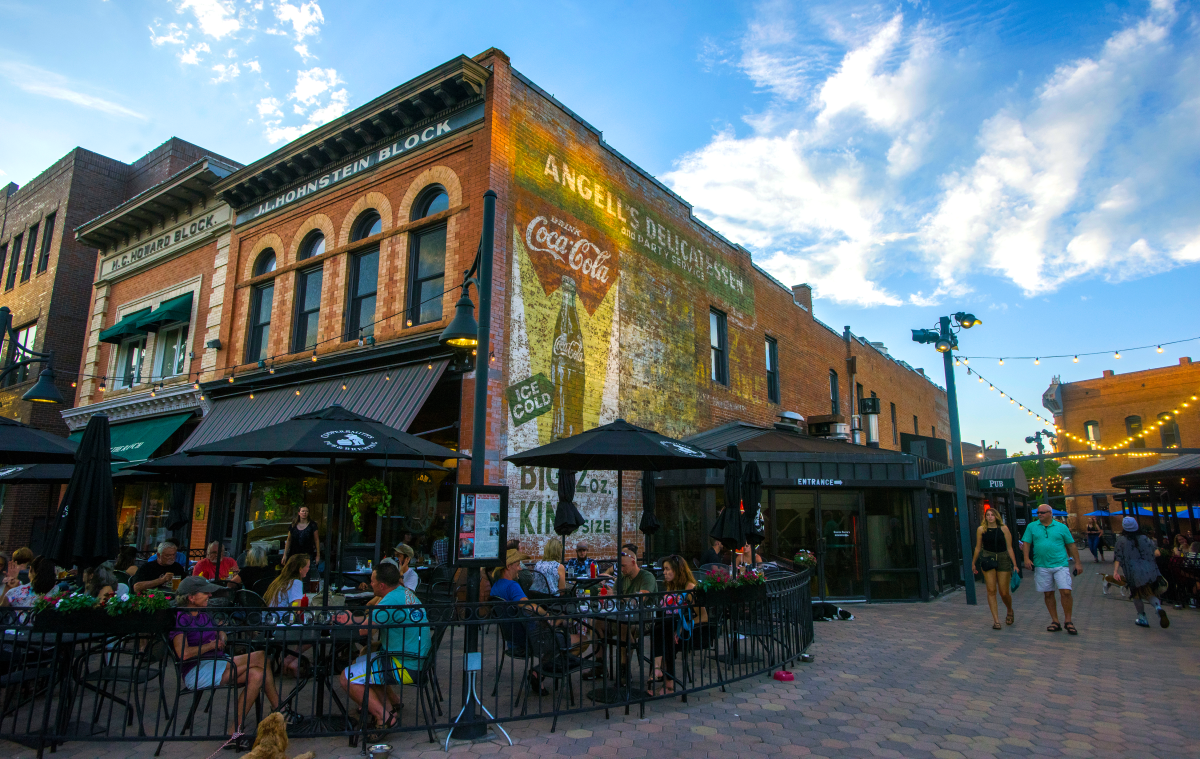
(172, 240)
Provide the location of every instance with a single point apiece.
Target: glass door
(830, 525)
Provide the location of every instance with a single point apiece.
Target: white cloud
(269, 107)
(313, 83)
(254, 66)
(305, 18)
(171, 34)
(37, 81)
(215, 18)
(302, 49)
(315, 99)
(191, 56)
(225, 72)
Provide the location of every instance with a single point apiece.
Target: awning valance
(137, 441)
(390, 396)
(171, 311)
(125, 328)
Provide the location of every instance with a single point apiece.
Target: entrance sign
(811, 481)
(480, 525)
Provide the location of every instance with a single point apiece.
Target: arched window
(1091, 431)
(364, 279)
(265, 263)
(433, 199)
(427, 259)
(1169, 430)
(308, 295)
(262, 298)
(1133, 428)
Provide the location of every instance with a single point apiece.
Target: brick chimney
(1109, 372)
(802, 295)
(1184, 361)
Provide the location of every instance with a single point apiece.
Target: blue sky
(1035, 163)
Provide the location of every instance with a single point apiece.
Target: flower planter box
(730, 596)
(100, 621)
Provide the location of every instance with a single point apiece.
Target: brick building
(47, 275)
(341, 268)
(1123, 422)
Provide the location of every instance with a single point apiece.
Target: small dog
(1110, 580)
(272, 740)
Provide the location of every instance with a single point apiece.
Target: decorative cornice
(171, 400)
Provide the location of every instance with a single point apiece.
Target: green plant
(720, 578)
(283, 496)
(132, 603)
(368, 493)
(804, 559)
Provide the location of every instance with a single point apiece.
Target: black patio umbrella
(729, 528)
(752, 485)
(332, 434)
(36, 474)
(619, 445)
(86, 530)
(180, 467)
(649, 524)
(567, 518)
(22, 444)
(179, 514)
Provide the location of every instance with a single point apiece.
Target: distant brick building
(46, 278)
(1125, 412)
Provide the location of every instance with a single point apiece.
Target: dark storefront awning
(127, 327)
(391, 396)
(137, 441)
(1003, 477)
(168, 312)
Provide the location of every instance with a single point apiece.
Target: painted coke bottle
(566, 367)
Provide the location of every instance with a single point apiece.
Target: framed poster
(480, 525)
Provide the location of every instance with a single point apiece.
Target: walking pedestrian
(1093, 538)
(1052, 545)
(996, 561)
(1134, 561)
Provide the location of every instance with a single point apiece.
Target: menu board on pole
(480, 525)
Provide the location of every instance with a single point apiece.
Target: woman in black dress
(303, 538)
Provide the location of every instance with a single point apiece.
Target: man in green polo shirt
(1051, 543)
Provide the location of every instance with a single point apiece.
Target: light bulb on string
(1076, 360)
(1037, 361)
(1160, 349)
(1001, 362)
(1117, 355)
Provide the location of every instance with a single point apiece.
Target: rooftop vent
(790, 421)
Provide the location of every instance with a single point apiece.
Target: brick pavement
(901, 680)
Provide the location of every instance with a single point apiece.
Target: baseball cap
(514, 556)
(196, 584)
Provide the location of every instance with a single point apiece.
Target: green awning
(124, 328)
(168, 312)
(137, 441)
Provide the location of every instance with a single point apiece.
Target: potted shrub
(722, 586)
(369, 494)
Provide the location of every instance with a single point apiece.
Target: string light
(1037, 361)
(314, 355)
(1001, 362)
(251, 395)
(1117, 355)
(1076, 360)
(343, 384)
(1158, 347)
(297, 391)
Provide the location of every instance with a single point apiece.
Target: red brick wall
(1109, 400)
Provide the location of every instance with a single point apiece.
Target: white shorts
(206, 674)
(1050, 579)
(387, 671)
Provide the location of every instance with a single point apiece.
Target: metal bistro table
(619, 631)
(324, 645)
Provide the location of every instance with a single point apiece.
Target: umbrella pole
(617, 571)
(329, 495)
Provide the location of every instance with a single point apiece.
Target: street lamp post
(945, 340)
(44, 390)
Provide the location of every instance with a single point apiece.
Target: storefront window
(272, 505)
(679, 513)
(129, 510)
(414, 509)
(172, 350)
(891, 545)
(154, 525)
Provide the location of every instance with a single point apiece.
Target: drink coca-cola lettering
(567, 246)
(567, 366)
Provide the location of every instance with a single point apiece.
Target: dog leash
(231, 739)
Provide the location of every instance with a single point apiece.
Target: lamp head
(965, 320)
(463, 330)
(926, 336)
(944, 346)
(1030, 439)
(44, 391)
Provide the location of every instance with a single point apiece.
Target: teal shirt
(408, 644)
(1048, 544)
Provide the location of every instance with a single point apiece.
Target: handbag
(1014, 583)
(684, 625)
(988, 563)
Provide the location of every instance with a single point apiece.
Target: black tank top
(993, 540)
(303, 540)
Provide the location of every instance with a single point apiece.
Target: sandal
(1071, 628)
(1054, 627)
(1009, 619)
(996, 626)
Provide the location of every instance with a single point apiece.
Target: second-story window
(895, 429)
(718, 341)
(1133, 428)
(47, 239)
(1169, 430)
(427, 259)
(262, 297)
(364, 279)
(835, 405)
(772, 370)
(129, 361)
(1091, 432)
(25, 338)
(308, 296)
(3, 258)
(13, 259)
(171, 347)
(30, 248)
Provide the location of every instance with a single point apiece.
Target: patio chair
(556, 661)
(510, 616)
(197, 694)
(133, 661)
(426, 682)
